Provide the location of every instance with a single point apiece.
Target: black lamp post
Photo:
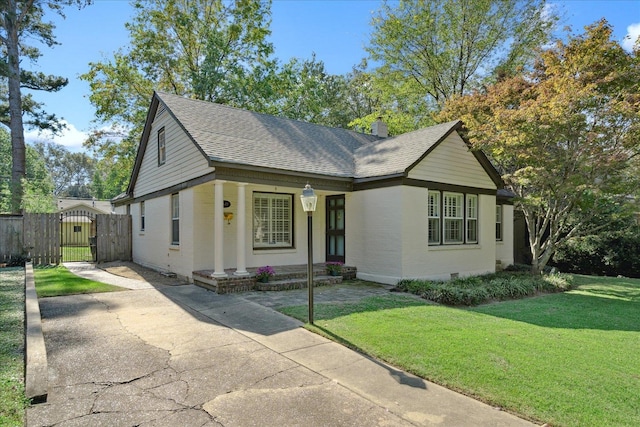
(309, 200)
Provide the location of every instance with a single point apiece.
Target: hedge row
(609, 254)
(482, 289)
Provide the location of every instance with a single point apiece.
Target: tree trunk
(18, 168)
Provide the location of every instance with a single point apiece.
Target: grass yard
(568, 359)
(76, 253)
(12, 399)
(57, 281)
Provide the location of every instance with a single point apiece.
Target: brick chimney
(379, 128)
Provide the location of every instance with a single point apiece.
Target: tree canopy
(22, 22)
(37, 184)
(430, 51)
(565, 136)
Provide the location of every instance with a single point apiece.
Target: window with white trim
(453, 217)
(434, 217)
(141, 216)
(162, 148)
(499, 222)
(175, 219)
(272, 220)
(472, 218)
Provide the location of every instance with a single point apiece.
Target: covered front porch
(286, 277)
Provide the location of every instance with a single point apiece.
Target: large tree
(214, 50)
(429, 50)
(37, 184)
(20, 22)
(565, 136)
(71, 173)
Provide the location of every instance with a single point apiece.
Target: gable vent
(161, 109)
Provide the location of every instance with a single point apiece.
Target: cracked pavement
(136, 358)
(183, 356)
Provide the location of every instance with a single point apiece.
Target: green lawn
(570, 359)
(12, 399)
(56, 281)
(76, 253)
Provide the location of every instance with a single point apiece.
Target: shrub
(481, 289)
(609, 254)
(17, 260)
(264, 273)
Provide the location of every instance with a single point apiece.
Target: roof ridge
(272, 116)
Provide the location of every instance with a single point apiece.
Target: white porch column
(218, 229)
(241, 233)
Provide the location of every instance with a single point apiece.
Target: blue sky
(336, 30)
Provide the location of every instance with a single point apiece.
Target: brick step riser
(285, 285)
(297, 275)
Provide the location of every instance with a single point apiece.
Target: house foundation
(287, 277)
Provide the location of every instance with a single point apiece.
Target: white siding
(439, 262)
(504, 248)
(184, 160)
(151, 246)
(451, 162)
(373, 233)
(297, 254)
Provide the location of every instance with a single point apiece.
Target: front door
(335, 228)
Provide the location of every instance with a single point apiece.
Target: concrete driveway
(184, 356)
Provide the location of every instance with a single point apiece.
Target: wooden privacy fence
(113, 239)
(38, 236)
(10, 237)
(42, 238)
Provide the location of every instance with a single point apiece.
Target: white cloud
(633, 32)
(70, 137)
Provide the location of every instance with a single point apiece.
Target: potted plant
(263, 274)
(334, 268)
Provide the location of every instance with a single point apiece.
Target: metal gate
(78, 235)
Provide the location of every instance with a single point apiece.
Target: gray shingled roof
(395, 155)
(232, 135)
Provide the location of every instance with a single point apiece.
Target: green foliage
(12, 393)
(563, 135)
(481, 289)
(57, 281)
(71, 172)
(304, 90)
(609, 254)
(524, 356)
(38, 186)
(431, 51)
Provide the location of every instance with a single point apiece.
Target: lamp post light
(309, 200)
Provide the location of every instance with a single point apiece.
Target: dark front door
(335, 228)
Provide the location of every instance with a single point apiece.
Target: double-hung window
(453, 217)
(499, 222)
(175, 219)
(162, 148)
(142, 216)
(472, 218)
(434, 217)
(272, 220)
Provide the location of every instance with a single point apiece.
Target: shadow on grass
(399, 376)
(333, 310)
(593, 305)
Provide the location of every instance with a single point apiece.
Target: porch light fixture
(228, 216)
(309, 200)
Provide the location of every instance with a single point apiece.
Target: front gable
(182, 160)
(452, 162)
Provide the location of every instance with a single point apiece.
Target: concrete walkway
(183, 356)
